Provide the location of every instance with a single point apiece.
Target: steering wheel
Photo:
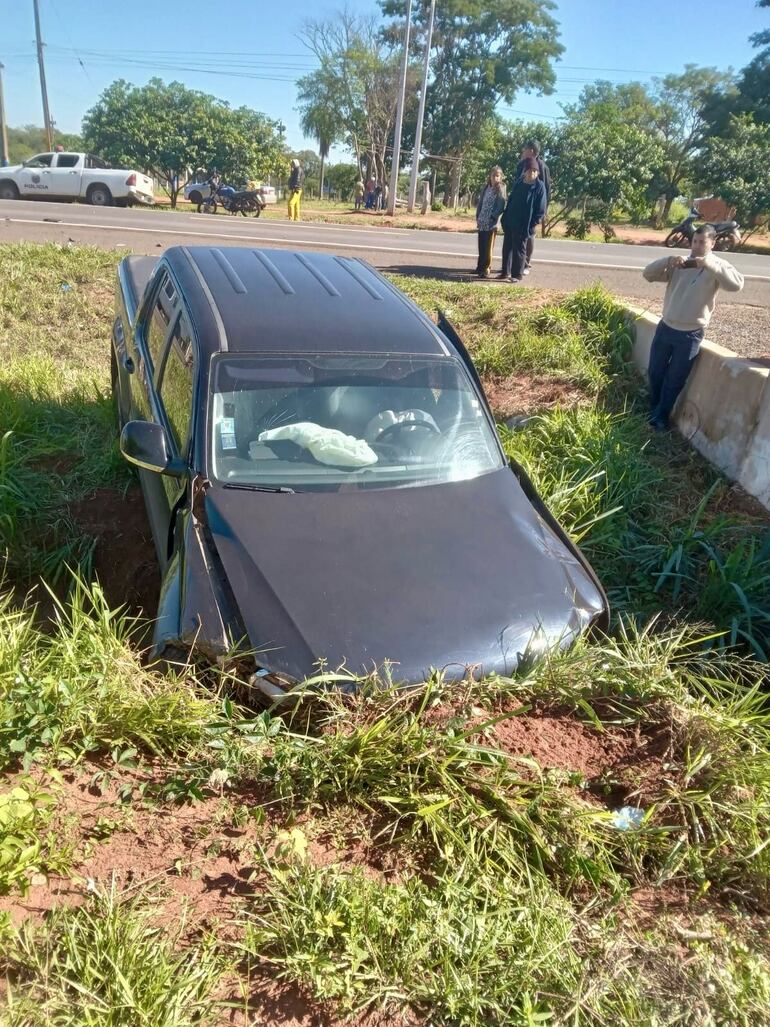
(390, 429)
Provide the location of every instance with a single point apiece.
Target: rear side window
(67, 160)
(163, 313)
(177, 384)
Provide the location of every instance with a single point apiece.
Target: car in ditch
(75, 176)
(324, 479)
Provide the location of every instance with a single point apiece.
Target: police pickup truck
(74, 176)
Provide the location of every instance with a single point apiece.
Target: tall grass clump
(58, 444)
(80, 687)
(106, 965)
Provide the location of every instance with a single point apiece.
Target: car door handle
(128, 364)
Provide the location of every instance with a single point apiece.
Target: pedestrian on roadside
(490, 206)
(296, 180)
(377, 196)
(692, 285)
(523, 212)
(369, 201)
(532, 149)
(358, 194)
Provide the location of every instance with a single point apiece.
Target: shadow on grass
(68, 500)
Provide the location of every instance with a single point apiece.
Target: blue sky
(251, 55)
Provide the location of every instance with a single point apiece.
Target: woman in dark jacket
(523, 213)
(488, 210)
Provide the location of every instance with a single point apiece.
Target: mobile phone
(690, 262)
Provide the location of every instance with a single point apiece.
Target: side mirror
(146, 444)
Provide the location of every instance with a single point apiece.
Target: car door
(176, 399)
(34, 178)
(65, 174)
(153, 329)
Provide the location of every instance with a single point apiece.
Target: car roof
(274, 300)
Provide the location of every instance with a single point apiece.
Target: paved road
(559, 263)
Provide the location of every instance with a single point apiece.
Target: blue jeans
(672, 357)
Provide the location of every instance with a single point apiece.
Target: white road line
(335, 245)
(325, 226)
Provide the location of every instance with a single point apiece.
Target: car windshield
(347, 422)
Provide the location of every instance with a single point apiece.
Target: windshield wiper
(258, 488)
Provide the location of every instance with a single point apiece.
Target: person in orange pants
(296, 178)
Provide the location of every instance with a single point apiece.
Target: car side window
(177, 383)
(42, 160)
(67, 160)
(157, 325)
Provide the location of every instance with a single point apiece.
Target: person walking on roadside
(490, 206)
(358, 194)
(691, 289)
(296, 180)
(523, 213)
(532, 149)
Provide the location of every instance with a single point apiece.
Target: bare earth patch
(124, 556)
(526, 394)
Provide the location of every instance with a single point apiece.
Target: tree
(681, 120)
(737, 167)
(356, 83)
(754, 85)
(597, 168)
(675, 111)
(323, 125)
(485, 52)
(169, 131)
(27, 140)
(342, 179)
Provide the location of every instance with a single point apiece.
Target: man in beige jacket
(691, 290)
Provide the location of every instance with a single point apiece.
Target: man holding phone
(691, 289)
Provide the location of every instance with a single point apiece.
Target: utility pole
(43, 89)
(421, 112)
(3, 130)
(399, 115)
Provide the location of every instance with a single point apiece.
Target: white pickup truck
(74, 176)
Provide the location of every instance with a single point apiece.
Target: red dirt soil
(524, 394)
(124, 558)
(617, 765)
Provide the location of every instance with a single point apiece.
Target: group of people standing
(372, 196)
(519, 214)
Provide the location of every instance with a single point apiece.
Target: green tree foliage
(355, 86)
(599, 167)
(342, 179)
(323, 125)
(737, 167)
(485, 51)
(27, 140)
(170, 131)
(674, 111)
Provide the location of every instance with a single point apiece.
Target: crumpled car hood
(446, 576)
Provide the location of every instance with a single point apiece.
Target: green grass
(106, 965)
(78, 687)
(483, 888)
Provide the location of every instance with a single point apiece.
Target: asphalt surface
(559, 263)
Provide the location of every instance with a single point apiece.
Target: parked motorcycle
(728, 232)
(234, 201)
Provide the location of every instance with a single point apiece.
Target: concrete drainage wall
(724, 410)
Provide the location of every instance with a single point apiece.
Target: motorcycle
(234, 201)
(728, 232)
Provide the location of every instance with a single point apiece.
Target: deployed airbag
(327, 445)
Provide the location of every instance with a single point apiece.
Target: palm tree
(321, 124)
